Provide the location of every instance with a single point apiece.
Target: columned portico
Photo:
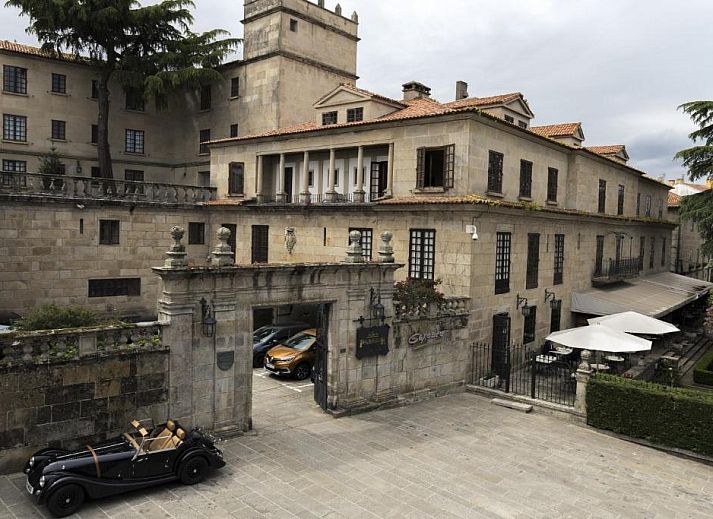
(332, 192)
(258, 187)
(359, 191)
(304, 180)
(281, 196)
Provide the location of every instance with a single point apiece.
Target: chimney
(416, 90)
(461, 90)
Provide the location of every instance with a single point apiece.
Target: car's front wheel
(302, 371)
(65, 500)
(193, 471)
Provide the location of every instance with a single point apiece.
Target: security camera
(473, 231)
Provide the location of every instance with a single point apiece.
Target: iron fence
(614, 269)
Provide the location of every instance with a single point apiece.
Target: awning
(598, 337)
(656, 295)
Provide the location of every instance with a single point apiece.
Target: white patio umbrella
(634, 322)
(599, 338)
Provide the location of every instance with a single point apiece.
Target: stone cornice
(306, 18)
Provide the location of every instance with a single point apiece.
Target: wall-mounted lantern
(377, 307)
(522, 301)
(551, 297)
(208, 321)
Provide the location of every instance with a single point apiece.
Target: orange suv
(295, 356)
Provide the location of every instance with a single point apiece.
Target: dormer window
(355, 115)
(509, 119)
(329, 118)
(522, 124)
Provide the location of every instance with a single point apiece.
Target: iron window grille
(559, 259)
(134, 141)
(260, 243)
(59, 83)
(502, 262)
(203, 138)
(235, 87)
(14, 166)
(495, 172)
(556, 315)
(109, 232)
(422, 248)
(533, 260)
(233, 130)
(206, 97)
(95, 134)
(355, 115)
(528, 333)
(599, 256)
(620, 201)
(653, 252)
(14, 79)
(236, 178)
(114, 287)
(95, 89)
(435, 167)
(642, 251)
(602, 202)
(59, 130)
(525, 179)
(367, 235)
(329, 118)
(196, 233)
(14, 128)
(648, 206)
(552, 179)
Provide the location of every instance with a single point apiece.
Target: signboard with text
(372, 341)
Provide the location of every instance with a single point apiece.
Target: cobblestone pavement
(457, 456)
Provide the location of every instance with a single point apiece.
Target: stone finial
(354, 251)
(290, 239)
(386, 250)
(584, 365)
(222, 254)
(338, 10)
(176, 254)
(355, 17)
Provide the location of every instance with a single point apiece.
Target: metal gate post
(533, 376)
(508, 367)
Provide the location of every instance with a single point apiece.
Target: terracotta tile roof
(674, 200)
(358, 90)
(557, 130)
(20, 48)
(606, 150)
(484, 101)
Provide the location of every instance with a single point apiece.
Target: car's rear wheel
(65, 500)
(302, 371)
(193, 470)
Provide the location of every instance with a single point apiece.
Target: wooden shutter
(421, 168)
(449, 166)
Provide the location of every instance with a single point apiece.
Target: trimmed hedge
(673, 417)
(702, 373)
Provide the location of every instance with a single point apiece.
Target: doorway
(379, 174)
(288, 183)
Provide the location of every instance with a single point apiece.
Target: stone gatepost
(584, 371)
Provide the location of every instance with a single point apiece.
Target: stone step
(517, 406)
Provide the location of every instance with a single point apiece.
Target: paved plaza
(456, 456)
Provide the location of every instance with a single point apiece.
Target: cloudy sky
(619, 66)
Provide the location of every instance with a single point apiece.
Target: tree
(149, 50)
(51, 165)
(699, 162)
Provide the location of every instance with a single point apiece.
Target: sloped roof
(674, 200)
(361, 91)
(557, 130)
(19, 48)
(607, 150)
(485, 101)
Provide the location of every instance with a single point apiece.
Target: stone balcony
(448, 307)
(84, 188)
(616, 270)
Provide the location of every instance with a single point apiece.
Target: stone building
(686, 255)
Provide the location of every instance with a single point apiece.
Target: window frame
(260, 244)
(558, 275)
(134, 141)
(552, 184)
(652, 252)
(503, 255)
(196, 233)
(58, 83)
(203, 148)
(529, 326)
(330, 118)
(58, 130)
(355, 115)
(134, 101)
(109, 232)
(525, 190)
(620, 200)
(235, 87)
(14, 132)
(14, 79)
(602, 197)
(236, 178)
(115, 287)
(234, 128)
(206, 98)
(94, 134)
(423, 165)
(422, 254)
(532, 274)
(599, 255)
(496, 162)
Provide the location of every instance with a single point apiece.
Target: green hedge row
(673, 417)
(702, 373)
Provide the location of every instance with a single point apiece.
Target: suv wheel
(193, 471)
(65, 500)
(302, 371)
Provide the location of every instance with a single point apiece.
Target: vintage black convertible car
(139, 458)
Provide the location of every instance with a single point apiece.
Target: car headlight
(42, 482)
(32, 461)
(286, 359)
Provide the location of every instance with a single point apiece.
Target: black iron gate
(319, 373)
(519, 370)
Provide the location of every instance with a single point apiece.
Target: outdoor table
(614, 358)
(600, 367)
(545, 359)
(561, 351)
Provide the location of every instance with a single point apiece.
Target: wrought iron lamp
(551, 297)
(522, 301)
(208, 321)
(377, 307)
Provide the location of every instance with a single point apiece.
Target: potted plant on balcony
(51, 167)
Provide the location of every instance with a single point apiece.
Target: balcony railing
(65, 186)
(449, 307)
(615, 270)
(306, 199)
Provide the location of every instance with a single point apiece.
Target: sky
(621, 67)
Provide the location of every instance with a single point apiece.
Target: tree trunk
(104, 153)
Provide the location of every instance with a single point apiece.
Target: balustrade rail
(66, 186)
(47, 346)
(617, 269)
(306, 199)
(450, 306)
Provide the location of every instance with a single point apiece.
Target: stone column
(320, 182)
(390, 173)
(258, 189)
(304, 190)
(359, 191)
(281, 196)
(332, 192)
(584, 371)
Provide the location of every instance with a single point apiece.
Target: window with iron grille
(503, 244)
(235, 87)
(528, 332)
(638, 204)
(260, 252)
(233, 130)
(329, 118)
(355, 115)
(14, 128)
(599, 256)
(653, 252)
(366, 240)
(109, 232)
(95, 89)
(525, 179)
(663, 253)
(14, 166)
(620, 201)
(59, 83)
(552, 178)
(533, 260)
(602, 203)
(555, 315)
(135, 100)
(559, 259)
(648, 206)
(660, 208)
(134, 175)
(206, 97)
(134, 141)
(59, 130)
(642, 251)
(495, 172)
(14, 79)
(114, 287)
(196, 233)
(422, 250)
(203, 138)
(435, 167)
(95, 134)
(236, 178)
(509, 119)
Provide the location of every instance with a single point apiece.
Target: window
(95, 133)
(525, 179)
(59, 83)
(293, 25)
(336, 177)
(648, 206)
(95, 89)
(260, 242)
(96, 172)
(509, 119)
(502, 262)
(556, 315)
(14, 79)
(355, 115)
(638, 204)
(435, 167)
(235, 87)
(660, 208)
(310, 178)
(114, 287)
(196, 233)
(14, 166)
(366, 240)
(620, 201)
(599, 256)
(522, 124)
(134, 175)
(528, 333)
(14, 128)
(422, 248)
(663, 253)
(642, 251)
(559, 259)
(533, 260)
(495, 172)
(236, 178)
(552, 178)
(602, 204)
(203, 138)
(204, 178)
(206, 95)
(134, 141)
(329, 118)
(233, 130)
(135, 100)
(653, 252)
(59, 130)
(109, 232)
(619, 247)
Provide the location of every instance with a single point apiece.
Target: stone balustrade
(448, 307)
(48, 346)
(80, 188)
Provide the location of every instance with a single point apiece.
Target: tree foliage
(50, 163)
(148, 49)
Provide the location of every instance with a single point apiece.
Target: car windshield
(263, 333)
(301, 341)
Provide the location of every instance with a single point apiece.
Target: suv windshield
(301, 341)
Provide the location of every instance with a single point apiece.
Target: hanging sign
(372, 341)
